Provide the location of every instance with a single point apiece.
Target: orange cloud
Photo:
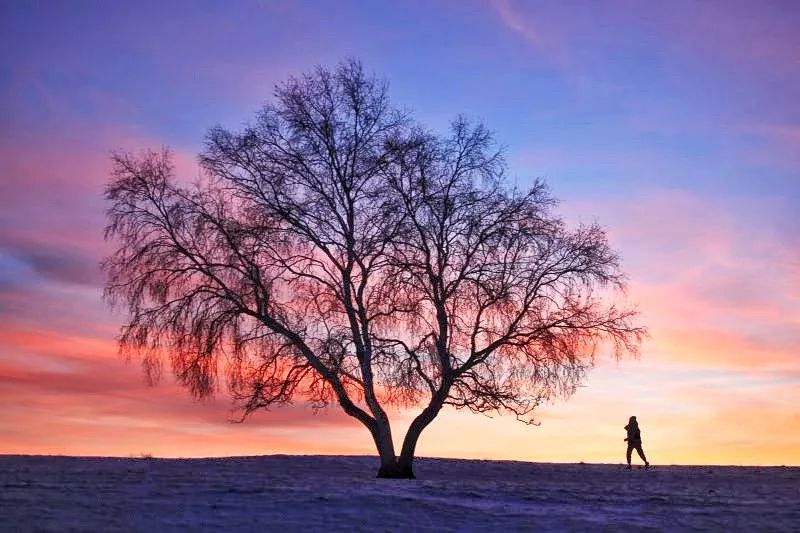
(73, 395)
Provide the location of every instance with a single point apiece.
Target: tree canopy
(335, 251)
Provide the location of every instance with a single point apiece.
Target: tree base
(396, 471)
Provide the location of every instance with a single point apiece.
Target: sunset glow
(676, 126)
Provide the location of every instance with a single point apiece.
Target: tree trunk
(390, 466)
(405, 464)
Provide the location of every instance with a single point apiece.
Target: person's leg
(641, 454)
(628, 455)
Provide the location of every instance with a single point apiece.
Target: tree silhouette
(335, 251)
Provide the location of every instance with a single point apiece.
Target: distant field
(292, 493)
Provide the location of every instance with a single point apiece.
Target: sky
(676, 125)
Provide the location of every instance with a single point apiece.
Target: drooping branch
(196, 283)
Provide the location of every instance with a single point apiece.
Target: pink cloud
(714, 290)
(73, 394)
(63, 388)
(546, 34)
(759, 39)
(51, 205)
(515, 21)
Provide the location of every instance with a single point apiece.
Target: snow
(289, 493)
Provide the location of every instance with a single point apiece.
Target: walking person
(634, 440)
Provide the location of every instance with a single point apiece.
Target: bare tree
(336, 252)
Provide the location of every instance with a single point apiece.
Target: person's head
(632, 420)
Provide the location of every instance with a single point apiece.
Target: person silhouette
(634, 440)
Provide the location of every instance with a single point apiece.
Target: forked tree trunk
(390, 467)
(403, 466)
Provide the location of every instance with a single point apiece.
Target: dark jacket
(634, 435)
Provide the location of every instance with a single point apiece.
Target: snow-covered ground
(288, 493)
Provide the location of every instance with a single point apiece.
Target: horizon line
(148, 457)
